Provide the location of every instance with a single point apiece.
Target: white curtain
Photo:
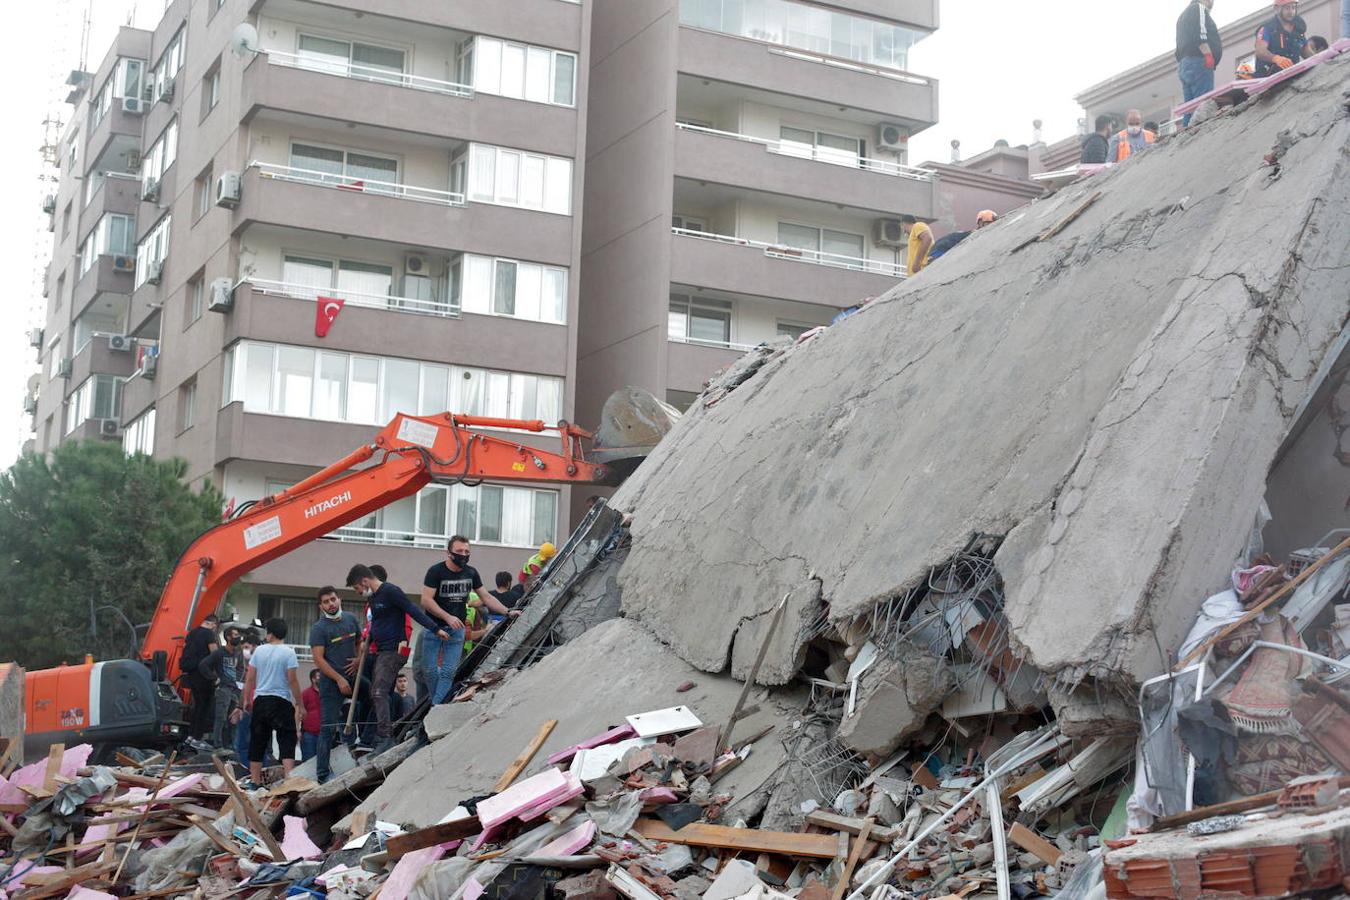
(517, 517)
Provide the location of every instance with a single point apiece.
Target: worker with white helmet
(1281, 39)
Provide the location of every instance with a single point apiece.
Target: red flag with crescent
(327, 311)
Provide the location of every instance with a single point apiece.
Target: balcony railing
(818, 154)
(716, 345)
(368, 73)
(815, 257)
(295, 291)
(391, 537)
(851, 64)
(358, 185)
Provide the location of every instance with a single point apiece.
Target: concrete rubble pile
(1020, 581)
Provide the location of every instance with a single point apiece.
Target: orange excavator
(133, 702)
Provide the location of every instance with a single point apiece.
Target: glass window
(513, 70)
(487, 58)
(490, 513)
(476, 294)
(504, 289)
(545, 524)
(532, 181)
(842, 243)
(789, 329)
(538, 81)
(385, 59)
(558, 186)
(435, 398)
(553, 304)
(564, 78)
(317, 159)
(258, 364)
(365, 278)
(363, 391)
(309, 275)
(330, 390)
(432, 503)
(806, 27)
(508, 176)
(799, 237)
(483, 172)
(465, 501)
(398, 392)
(295, 381)
(361, 167)
(324, 54)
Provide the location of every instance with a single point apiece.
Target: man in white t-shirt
(272, 697)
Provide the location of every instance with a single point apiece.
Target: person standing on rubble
(1131, 139)
(200, 643)
(1199, 49)
(1280, 40)
(388, 608)
(224, 667)
(335, 642)
(1094, 146)
(919, 243)
(445, 595)
(272, 696)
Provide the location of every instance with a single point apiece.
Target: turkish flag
(324, 315)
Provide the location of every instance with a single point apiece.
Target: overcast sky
(1001, 65)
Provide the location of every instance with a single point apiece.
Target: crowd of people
(245, 685)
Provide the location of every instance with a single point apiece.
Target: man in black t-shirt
(200, 643)
(335, 642)
(507, 595)
(446, 595)
(1280, 40)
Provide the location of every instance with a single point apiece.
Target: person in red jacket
(309, 730)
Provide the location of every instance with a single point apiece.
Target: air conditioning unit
(221, 296)
(109, 428)
(150, 190)
(888, 233)
(49, 204)
(65, 368)
(123, 263)
(155, 273)
(121, 343)
(29, 404)
(35, 337)
(892, 137)
(166, 90)
(228, 189)
(133, 105)
(415, 264)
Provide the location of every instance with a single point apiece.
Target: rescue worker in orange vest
(1133, 139)
(535, 564)
(1280, 41)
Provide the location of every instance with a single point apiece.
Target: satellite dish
(244, 40)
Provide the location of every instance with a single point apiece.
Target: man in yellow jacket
(535, 564)
(920, 242)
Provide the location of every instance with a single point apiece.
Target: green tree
(88, 537)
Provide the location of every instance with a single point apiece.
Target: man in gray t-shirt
(272, 696)
(335, 641)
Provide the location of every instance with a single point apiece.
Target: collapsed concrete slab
(1107, 401)
(894, 699)
(589, 685)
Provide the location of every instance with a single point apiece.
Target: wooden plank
(842, 884)
(520, 762)
(219, 839)
(53, 767)
(698, 834)
(834, 822)
(58, 884)
(1032, 842)
(402, 844)
(163, 777)
(250, 811)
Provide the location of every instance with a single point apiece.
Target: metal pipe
(1255, 644)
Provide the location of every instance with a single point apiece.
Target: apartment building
(422, 162)
(746, 165)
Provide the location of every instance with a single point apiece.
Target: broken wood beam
(245, 805)
(369, 771)
(53, 767)
(834, 822)
(1032, 842)
(456, 830)
(163, 777)
(520, 762)
(699, 834)
(847, 875)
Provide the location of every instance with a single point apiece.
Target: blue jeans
(440, 659)
(1345, 18)
(330, 726)
(1197, 79)
(309, 741)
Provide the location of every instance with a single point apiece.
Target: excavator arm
(409, 453)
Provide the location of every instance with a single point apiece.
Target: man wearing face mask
(335, 642)
(388, 607)
(1130, 141)
(224, 666)
(445, 595)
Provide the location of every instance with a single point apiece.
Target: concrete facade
(356, 131)
(697, 129)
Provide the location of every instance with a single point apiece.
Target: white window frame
(97, 242)
(346, 152)
(482, 157)
(80, 403)
(153, 248)
(139, 434)
(161, 155)
(170, 62)
(471, 300)
(351, 43)
(187, 404)
(499, 393)
(489, 53)
(692, 302)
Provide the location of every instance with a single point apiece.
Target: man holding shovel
(335, 640)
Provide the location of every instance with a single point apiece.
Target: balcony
(919, 13)
(798, 170)
(888, 93)
(737, 265)
(120, 193)
(689, 365)
(417, 329)
(548, 23)
(103, 277)
(283, 82)
(399, 213)
(96, 358)
(116, 126)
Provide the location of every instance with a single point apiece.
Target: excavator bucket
(631, 424)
